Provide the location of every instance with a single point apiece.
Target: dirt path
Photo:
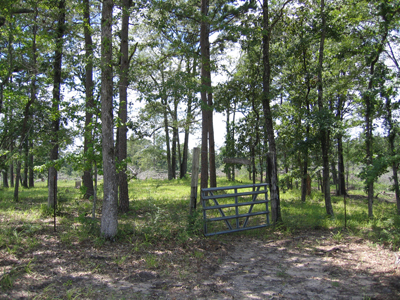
(307, 266)
(292, 269)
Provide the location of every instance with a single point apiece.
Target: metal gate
(235, 209)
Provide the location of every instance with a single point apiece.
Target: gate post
(195, 178)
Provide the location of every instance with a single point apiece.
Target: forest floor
(304, 265)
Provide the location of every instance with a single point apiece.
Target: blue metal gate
(238, 213)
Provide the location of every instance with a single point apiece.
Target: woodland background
(310, 93)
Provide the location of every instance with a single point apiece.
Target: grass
(159, 209)
(159, 212)
(158, 218)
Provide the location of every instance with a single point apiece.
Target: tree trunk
(369, 101)
(123, 109)
(334, 172)
(306, 176)
(228, 142)
(52, 195)
(33, 99)
(213, 171)
(31, 173)
(11, 165)
(88, 139)
(341, 169)
(233, 151)
(174, 139)
(324, 130)
(396, 186)
(183, 166)
(392, 133)
(26, 161)
(17, 180)
(167, 139)
(189, 116)
(253, 161)
(269, 126)
(204, 43)
(5, 179)
(109, 218)
(369, 140)
(288, 185)
(208, 147)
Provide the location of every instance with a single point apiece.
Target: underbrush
(351, 219)
(159, 215)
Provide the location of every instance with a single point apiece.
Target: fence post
(195, 178)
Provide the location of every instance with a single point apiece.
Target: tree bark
(341, 166)
(17, 180)
(5, 179)
(31, 173)
(88, 139)
(269, 126)
(167, 138)
(52, 195)
(334, 174)
(324, 131)
(228, 143)
(204, 35)
(208, 145)
(26, 161)
(189, 116)
(11, 167)
(185, 152)
(28, 169)
(109, 218)
(174, 139)
(123, 109)
(387, 15)
(392, 133)
(213, 171)
(305, 176)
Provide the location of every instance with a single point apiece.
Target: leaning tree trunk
(88, 139)
(52, 195)
(123, 109)
(109, 218)
(269, 125)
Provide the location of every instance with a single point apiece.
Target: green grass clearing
(159, 212)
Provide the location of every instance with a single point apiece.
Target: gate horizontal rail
(207, 194)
